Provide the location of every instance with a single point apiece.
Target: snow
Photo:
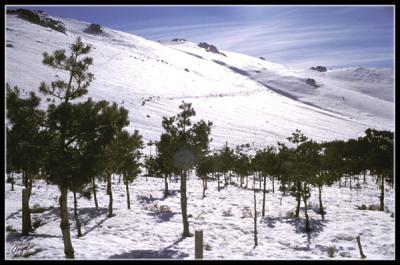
(248, 100)
(141, 233)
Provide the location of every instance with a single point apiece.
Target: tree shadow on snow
(13, 214)
(299, 223)
(150, 254)
(316, 226)
(88, 214)
(162, 216)
(165, 253)
(17, 237)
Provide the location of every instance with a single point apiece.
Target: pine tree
(62, 163)
(204, 167)
(26, 141)
(116, 118)
(129, 154)
(190, 143)
(308, 166)
(380, 157)
(164, 160)
(297, 138)
(265, 162)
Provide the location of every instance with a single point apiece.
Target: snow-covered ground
(247, 98)
(141, 233)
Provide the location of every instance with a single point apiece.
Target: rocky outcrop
(38, 17)
(262, 58)
(319, 68)
(178, 40)
(311, 82)
(210, 48)
(95, 29)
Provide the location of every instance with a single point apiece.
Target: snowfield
(141, 232)
(249, 100)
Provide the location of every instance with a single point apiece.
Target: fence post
(360, 248)
(198, 244)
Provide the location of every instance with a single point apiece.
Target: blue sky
(336, 36)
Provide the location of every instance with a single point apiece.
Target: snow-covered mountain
(248, 99)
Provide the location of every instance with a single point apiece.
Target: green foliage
(242, 161)
(25, 136)
(127, 150)
(183, 141)
(79, 77)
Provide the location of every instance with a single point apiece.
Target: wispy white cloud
(292, 38)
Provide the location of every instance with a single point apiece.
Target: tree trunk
(230, 178)
(128, 197)
(273, 184)
(12, 181)
(364, 177)
(25, 201)
(321, 208)
(226, 180)
(94, 192)
(298, 198)
(109, 193)
(26, 215)
(382, 203)
(255, 214)
(260, 178)
(264, 191)
(25, 180)
(350, 182)
(30, 181)
(218, 181)
(184, 205)
(247, 180)
(307, 228)
(166, 185)
(78, 224)
(204, 187)
(64, 225)
(119, 179)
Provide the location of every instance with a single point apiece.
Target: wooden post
(198, 244)
(360, 248)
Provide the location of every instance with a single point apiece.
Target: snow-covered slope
(248, 99)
